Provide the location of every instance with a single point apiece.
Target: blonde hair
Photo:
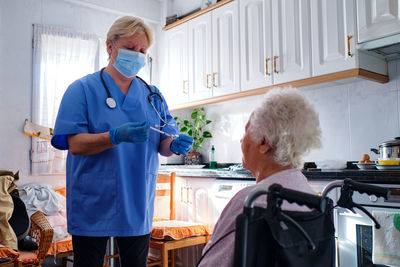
(290, 124)
(128, 26)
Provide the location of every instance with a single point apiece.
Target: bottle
(213, 163)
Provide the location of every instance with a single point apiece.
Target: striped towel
(386, 239)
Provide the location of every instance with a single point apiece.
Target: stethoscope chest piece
(111, 102)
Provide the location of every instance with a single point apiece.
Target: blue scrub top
(110, 193)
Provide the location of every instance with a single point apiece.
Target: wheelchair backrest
(262, 239)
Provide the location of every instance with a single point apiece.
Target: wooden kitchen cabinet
(334, 39)
(225, 50)
(193, 201)
(275, 42)
(177, 90)
(244, 48)
(203, 56)
(200, 56)
(333, 36)
(377, 19)
(256, 68)
(290, 39)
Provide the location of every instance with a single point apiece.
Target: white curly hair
(290, 124)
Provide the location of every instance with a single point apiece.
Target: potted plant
(194, 127)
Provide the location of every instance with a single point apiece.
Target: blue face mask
(128, 63)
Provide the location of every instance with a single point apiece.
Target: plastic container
(388, 162)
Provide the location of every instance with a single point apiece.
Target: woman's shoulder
(89, 78)
(85, 82)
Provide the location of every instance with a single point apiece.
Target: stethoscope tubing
(151, 93)
(111, 103)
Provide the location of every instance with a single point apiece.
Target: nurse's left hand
(133, 132)
(182, 145)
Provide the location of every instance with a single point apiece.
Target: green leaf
(196, 123)
(207, 134)
(194, 127)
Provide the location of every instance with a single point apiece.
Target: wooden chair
(165, 187)
(166, 246)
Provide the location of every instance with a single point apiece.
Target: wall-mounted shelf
(196, 14)
(337, 76)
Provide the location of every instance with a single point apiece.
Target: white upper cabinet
(377, 19)
(200, 57)
(290, 39)
(177, 91)
(333, 36)
(255, 53)
(275, 42)
(225, 49)
(203, 56)
(249, 44)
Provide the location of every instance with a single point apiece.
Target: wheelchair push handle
(292, 196)
(367, 188)
(277, 191)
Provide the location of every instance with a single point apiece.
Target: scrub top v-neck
(110, 193)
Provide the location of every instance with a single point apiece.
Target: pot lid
(395, 142)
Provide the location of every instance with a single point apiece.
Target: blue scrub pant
(89, 251)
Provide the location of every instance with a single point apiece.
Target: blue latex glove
(133, 132)
(182, 145)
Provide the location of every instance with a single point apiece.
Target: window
(60, 56)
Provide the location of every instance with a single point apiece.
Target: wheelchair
(272, 237)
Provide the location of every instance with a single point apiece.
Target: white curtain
(60, 56)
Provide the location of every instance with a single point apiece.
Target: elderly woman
(277, 136)
(114, 125)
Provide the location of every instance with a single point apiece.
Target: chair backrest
(165, 188)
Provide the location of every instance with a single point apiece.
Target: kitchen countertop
(208, 173)
(376, 176)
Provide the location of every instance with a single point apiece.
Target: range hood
(387, 47)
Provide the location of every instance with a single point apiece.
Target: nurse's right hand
(132, 132)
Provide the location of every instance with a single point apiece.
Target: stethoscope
(111, 103)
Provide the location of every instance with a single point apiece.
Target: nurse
(106, 120)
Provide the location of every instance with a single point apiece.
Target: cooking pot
(389, 150)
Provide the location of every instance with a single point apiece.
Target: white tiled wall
(355, 115)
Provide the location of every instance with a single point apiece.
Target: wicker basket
(42, 231)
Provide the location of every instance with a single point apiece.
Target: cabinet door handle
(213, 79)
(266, 66)
(348, 46)
(188, 195)
(275, 70)
(184, 86)
(182, 195)
(208, 79)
